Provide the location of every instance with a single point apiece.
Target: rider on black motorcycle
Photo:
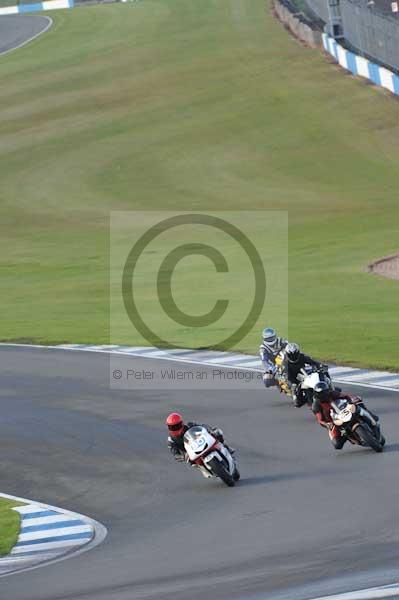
(321, 407)
(296, 361)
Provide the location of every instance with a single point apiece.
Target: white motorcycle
(357, 424)
(210, 456)
(309, 377)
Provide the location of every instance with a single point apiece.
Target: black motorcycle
(357, 424)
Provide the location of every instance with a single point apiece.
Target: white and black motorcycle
(210, 456)
(309, 377)
(357, 424)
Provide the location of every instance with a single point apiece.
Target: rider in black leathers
(323, 396)
(296, 361)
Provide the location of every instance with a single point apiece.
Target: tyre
(368, 439)
(220, 471)
(236, 474)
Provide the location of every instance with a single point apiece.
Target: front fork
(364, 413)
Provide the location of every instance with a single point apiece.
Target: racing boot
(298, 397)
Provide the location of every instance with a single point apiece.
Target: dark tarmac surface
(302, 512)
(16, 30)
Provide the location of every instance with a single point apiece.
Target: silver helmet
(292, 351)
(269, 336)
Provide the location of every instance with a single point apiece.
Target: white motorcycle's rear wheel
(220, 471)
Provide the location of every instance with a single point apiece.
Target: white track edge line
(185, 360)
(365, 594)
(49, 24)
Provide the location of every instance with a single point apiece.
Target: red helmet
(175, 424)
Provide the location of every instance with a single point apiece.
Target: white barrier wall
(361, 66)
(47, 5)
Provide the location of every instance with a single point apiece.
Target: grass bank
(176, 104)
(9, 525)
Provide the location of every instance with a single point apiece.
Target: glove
(218, 433)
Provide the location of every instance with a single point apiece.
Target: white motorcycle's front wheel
(220, 470)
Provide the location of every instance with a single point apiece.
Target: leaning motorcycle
(309, 377)
(210, 456)
(357, 424)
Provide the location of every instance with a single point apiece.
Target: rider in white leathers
(269, 349)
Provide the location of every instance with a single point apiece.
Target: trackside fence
(369, 27)
(358, 65)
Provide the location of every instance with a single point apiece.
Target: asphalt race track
(302, 513)
(16, 30)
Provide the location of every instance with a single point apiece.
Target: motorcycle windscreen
(341, 403)
(194, 434)
(198, 440)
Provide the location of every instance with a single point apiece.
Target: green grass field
(9, 525)
(187, 105)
